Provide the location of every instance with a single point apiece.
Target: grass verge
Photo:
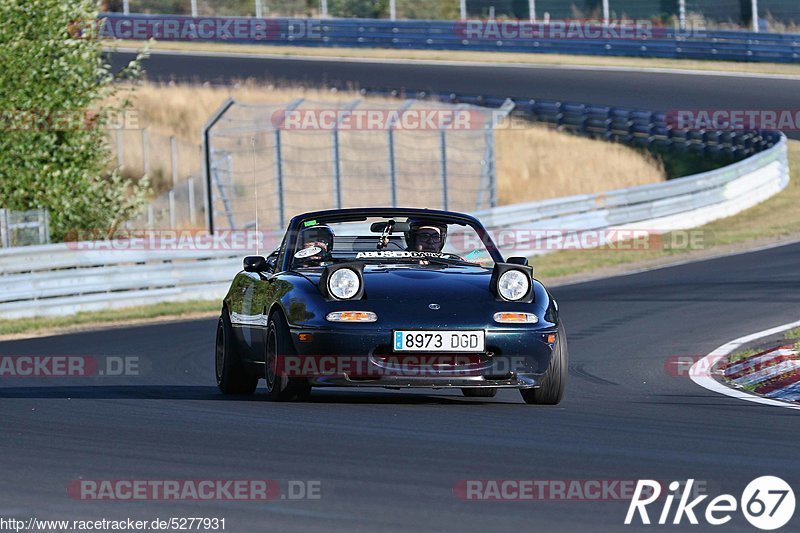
(489, 57)
(744, 354)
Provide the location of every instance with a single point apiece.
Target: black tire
(480, 393)
(232, 376)
(281, 388)
(554, 383)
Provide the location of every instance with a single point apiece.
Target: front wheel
(554, 382)
(232, 376)
(280, 387)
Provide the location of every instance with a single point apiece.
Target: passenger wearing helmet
(425, 236)
(316, 244)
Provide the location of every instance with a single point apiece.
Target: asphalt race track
(389, 460)
(647, 90)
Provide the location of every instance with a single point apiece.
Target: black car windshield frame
(357, 215)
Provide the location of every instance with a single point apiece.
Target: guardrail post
(337, 160)
(145, 153)
(279, 176)
(5, 239)
(337, 169)
(42, 226)
(754, 15)
(172, 217)
(491, 169)
(194, 8)
(120, 159)
(192, 207)
(278, 159)
(443, 150)
(259, 9)
(392, 167)
(392, 161)
(173, 154)
(126, 7)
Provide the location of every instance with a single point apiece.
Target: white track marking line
(699, 371)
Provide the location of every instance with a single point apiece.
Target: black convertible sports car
(394, 298)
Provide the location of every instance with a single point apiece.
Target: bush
(372, 9)
(429, 9)
(53, 150)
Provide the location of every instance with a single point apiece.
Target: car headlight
(513, 285)
(344, 284)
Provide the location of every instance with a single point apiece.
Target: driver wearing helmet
(426, 236)
(316, 245)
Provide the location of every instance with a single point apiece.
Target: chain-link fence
(777, 15)
(173, 168)
(24, 228)
(305, 155)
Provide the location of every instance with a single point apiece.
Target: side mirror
(255, 263)
(522, 261)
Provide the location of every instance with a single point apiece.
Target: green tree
(359, 8)
(55, 84)
(429, 9)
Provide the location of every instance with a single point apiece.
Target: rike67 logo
(767, 503)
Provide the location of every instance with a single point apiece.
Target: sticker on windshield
(308, 252)
(404, 255)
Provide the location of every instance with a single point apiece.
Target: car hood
(429, 283)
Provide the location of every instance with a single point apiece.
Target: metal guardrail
(665, 42)
(63, 279)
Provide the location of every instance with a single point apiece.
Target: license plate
(439, 341)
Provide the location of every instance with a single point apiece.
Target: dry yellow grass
(538, 163)
(533, 163)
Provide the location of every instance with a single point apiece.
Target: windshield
(384, 240)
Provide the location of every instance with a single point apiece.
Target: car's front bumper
(514, 358)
